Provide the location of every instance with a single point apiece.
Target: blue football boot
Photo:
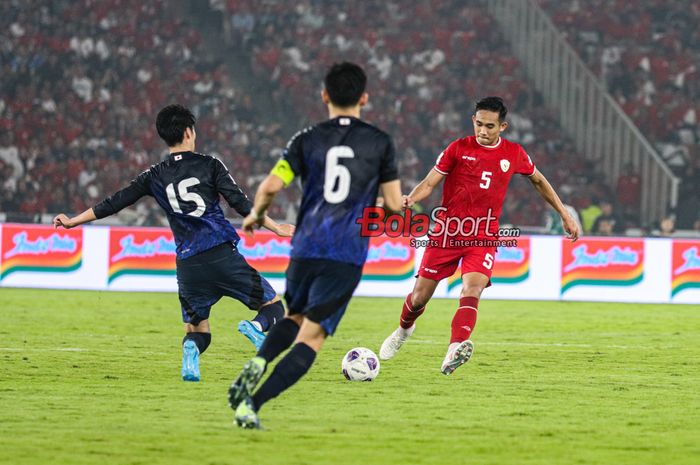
(253, 334)
(190, 361)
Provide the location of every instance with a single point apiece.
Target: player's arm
(267, 190)
(111, 205)
(547, 192)
(67, 223)
(230, 191)
(391, 195)
(281, 175)
(239, 201)
(423, 189)
(282, 230)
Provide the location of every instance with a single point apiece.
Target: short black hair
(345, 83)
(493, 104)
(171, 123)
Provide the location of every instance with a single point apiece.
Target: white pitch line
(411, 341)
(97, 351)
(543, 344)
(38, 349)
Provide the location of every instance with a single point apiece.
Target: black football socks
(269, 315)
(288, 371)
(280, 337)
(202, 340)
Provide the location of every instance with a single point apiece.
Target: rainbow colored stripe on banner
(685, 266)
(387, 258)
(151, 251)
(40, 249)
(602, 262)
(512, 265)
(266, 252)
(140, 251)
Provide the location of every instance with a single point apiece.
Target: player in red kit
(476, 171)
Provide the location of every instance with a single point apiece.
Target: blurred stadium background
(603, 95)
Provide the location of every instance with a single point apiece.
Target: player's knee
(419, 300)
(313, 335)
(272, 301)
(472, 291)
(197, 325)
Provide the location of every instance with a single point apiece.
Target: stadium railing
(599, 127)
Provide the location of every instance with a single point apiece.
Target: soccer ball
(360, 364)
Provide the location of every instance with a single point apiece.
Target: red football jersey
(476, 180)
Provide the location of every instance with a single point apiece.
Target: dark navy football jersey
(341, 162)
(187, 186)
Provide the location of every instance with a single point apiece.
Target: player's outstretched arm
(267, 190)
(121, 199)
(547, 192)
(65, 222)
(423, 189)
(391, 195)
(282, 230)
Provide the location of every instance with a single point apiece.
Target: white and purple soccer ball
(360, 364)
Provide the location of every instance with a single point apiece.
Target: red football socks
(408, 314)
(464, 320)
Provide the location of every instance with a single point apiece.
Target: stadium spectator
(589, 215)
(9, 154)
(629, 187)
(607, 222)
(666, 227)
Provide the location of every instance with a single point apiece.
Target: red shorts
(440, 262)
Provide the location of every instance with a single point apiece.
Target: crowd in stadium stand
(82, 82)
(425, 76)
(648, 54)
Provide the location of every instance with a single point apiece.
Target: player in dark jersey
(187, 186)
(476, 171)
(342, 163)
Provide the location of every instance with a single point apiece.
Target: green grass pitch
(93, 378)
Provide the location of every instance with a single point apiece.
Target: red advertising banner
(141, 251)
(40, 248)
(387, 258)
(151, 251)
(601, 262)
(266, 252)
(685, 266)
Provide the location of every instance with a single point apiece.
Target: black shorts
(321, 290)
(220, 271)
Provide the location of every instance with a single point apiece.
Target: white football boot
(393, 343)
(458, 354)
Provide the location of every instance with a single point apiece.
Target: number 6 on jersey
(337, 184)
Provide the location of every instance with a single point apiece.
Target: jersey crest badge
(505, 164)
